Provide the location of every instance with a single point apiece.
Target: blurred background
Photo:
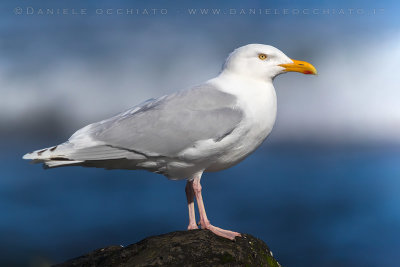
(323, 190)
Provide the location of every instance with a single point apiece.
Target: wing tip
(28, 156)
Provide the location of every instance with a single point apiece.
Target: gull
(207, 128)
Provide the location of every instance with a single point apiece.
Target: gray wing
(167, 125)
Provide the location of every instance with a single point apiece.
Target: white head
(265, 62)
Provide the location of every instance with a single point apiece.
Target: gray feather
(167, 125)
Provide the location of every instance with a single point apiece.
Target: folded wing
(156, 128)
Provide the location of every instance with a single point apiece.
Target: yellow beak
(300, 66)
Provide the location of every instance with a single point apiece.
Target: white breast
(257, 99)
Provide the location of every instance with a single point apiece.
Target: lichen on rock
(182, 248)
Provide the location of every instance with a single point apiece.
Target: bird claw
(220, 232)
(192, 227)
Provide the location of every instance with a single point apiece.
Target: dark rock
(183, 248)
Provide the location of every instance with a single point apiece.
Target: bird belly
(259, 108)
(240, 149)
(260, 113)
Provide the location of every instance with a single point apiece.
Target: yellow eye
(262, 56)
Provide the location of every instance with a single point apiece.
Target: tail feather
(51, 157)
(60, 163)
(69, 154)
(50, 153)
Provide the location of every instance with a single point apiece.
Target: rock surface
(183, 248)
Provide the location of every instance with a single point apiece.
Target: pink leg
(204, 222)
(189, 195)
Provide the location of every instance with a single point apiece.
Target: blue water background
(314, 205)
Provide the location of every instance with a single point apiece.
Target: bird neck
(236, 84)
(234, 74)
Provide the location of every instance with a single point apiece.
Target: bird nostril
(301, 64)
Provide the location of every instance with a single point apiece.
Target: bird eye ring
(262, 56)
